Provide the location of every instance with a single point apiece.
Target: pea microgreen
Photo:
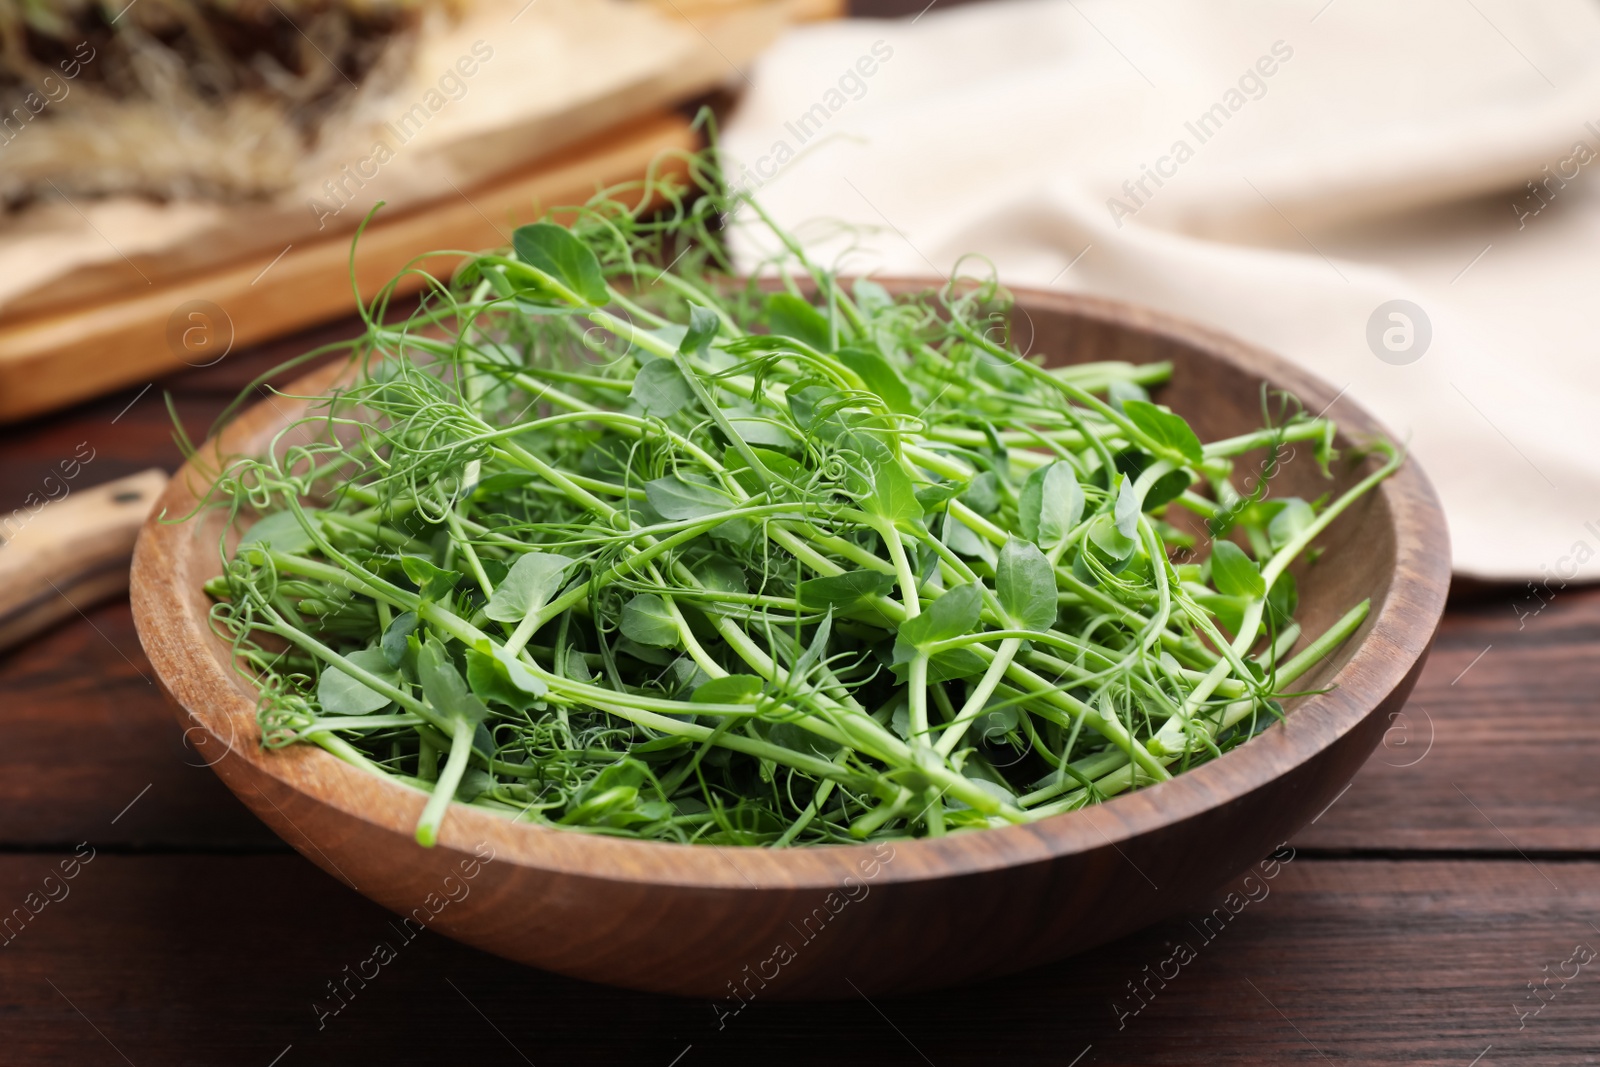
(673, 554)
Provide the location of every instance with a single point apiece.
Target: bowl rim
(210, 697)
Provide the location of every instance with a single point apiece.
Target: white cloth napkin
(1280, 170)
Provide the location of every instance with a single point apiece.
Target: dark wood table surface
(1445, 909)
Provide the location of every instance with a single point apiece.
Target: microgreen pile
(606, 537)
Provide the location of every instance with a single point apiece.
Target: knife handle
(71, 553)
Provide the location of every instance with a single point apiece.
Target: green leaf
(533, 579)
(496, 277)
(936, 496)
(503, 482)
(995, 724)
(1120, 391)
(1111, 541)
(953, 614)
(619, 796)
(804, 402)
(493, 570)
(999, 792)
(1050, 505)
(1164, 428)
(433, 583)
(792, 735)
(785, 467)
(982, 493)
(555, 251)
(576, 666)
(763, 431)
(870, 296)
(656, 657)
(703, 326)
(741, 534)
(686, 677)
(1290, 521)
(734, 689)
(646, 620)
(474, 783)
(1234, 573)
(943, 667)
(959, 537)
(893, 496)
(1283, 599)
(1128, 507)
(670, 335)
(867, 444)
(1229, 610)
(281, 532)
(879, 376)
(1025, 585)
(498, 677)
(660, 389)
(1061, 504)
(444, 687)
(340, 694)
(843, 590)
(1133, 462)
(1168, 488)
(815, 650)
(722, 574)
(678, 497)
(394, 638)
(518, 674)
(956, 663)
(790, 316)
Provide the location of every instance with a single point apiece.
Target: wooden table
(1429, 915)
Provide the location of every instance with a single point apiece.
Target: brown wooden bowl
(828, 921)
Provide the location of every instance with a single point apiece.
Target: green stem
(449, 779)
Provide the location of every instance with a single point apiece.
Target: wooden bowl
(824, 922)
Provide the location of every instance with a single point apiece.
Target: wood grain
(84, 726)
(1420, 963)
(85, 730)
(81, 711)
(53, 360)
(1373, 973)
(60, 555)
(1377, 961)
(634, 65)
(1498, 746)
(686, 919)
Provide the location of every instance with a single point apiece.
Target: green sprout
(673, 554)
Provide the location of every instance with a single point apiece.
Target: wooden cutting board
(193, 286)
(51, 360)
